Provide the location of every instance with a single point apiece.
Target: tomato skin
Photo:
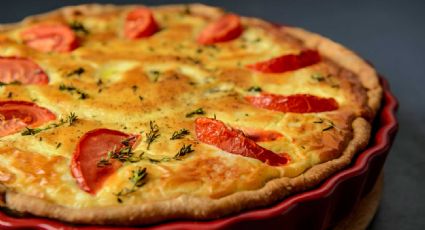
(225, 29)
(215, 132)
(22, 70)
(50, 37)
(16, 115)
(297, 103)
(140, 23)
(287, 62)
(92, 147)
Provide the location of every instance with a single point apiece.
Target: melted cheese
(173, 75)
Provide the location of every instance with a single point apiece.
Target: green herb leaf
(10, 83)
(77, 72)
(78, 27)
(153, 133)
(179, 134)
(198, 111)
(72, 89)
(183, 152)
(71, 118)
(254, 89)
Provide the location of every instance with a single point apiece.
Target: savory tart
(134, 115)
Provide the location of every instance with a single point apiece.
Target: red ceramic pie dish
(319, 208)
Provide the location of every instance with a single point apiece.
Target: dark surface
(391, 34)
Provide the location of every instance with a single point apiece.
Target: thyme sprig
(330, 124)
(183, 152)
(78, 71)
(254, 89)
(10, 83)
(179, 134)
(72, 89)
(153, 133)
(71, 118)
(138, 179)
(78, 27)
(198, 111)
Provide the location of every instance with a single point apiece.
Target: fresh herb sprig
(138, 179)
(330, 124)
(10, 83)
(153, 133)
(71, 118)
(185, 149)
(73, 89)
(78, 71)
(199, 111)
(255, 89)
(179, 134)
(78, 27)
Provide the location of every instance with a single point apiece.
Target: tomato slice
(287, 62)
(16, 115)
(50, 37)
(225, 29)
(23, 70)
(215, 132)
(297, 103)
(91, 149)
(140, 23)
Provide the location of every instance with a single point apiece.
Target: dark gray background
(391, 34)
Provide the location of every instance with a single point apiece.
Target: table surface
(390, 34)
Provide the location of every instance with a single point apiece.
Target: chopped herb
(179, 134)
(10, 83)
(328, 128)
(152, 134)
(254, 89)
(10, 95)
(198, 111)
(154, 75)
(78, 27)
(70, 120)
(99, 82)
(138, 178)
(183, 152)
(58, 145)
(103, 163)
(134, 88)
(320, 121)
(257, 40)
(73, 89)
(141, 98)
(317, 77)
(78, 72)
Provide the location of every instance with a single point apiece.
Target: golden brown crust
(203, 208)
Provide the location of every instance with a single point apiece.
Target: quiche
(130, 115)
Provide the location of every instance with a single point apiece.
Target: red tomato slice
(93, 147)
(287, 62)
(50, 37)
(140, 23)
(16, 115)
(215, 132)
(298, 103)
(22, 70)
(225, 29)
(261, 135)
